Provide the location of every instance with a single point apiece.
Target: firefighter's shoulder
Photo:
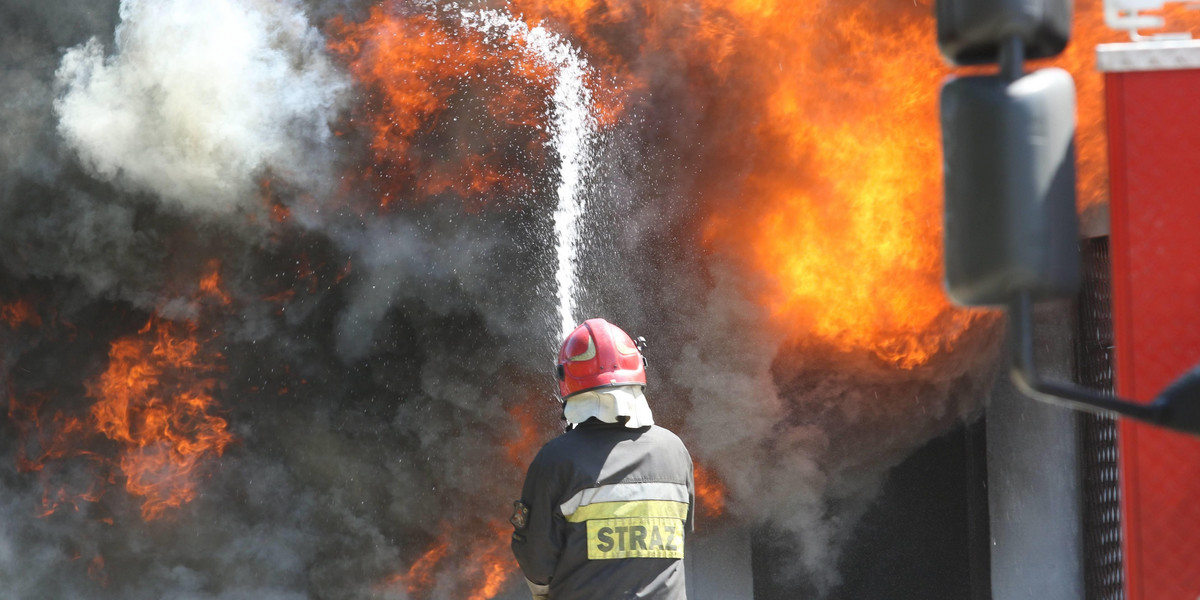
(558, 450)
(665, 435)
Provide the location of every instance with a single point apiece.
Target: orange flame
(425, 77)
(491, 564)
(483, 564)
(849, 230)
(710, 493)
(834, 107)
(841, 205)
(421, 576)
(155, 400)
(851, 233)
(210, 284)
(520, 450)
(19, 312)
(42, 442)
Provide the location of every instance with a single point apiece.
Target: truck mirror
(1011, 235)
(1009, 165)
(972, 32)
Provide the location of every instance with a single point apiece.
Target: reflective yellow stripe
(629, 509)
(636, 537)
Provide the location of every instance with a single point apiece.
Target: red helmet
(598, 354)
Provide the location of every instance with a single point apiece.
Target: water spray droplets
(572, 132)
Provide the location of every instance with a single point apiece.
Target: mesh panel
(1093, 368)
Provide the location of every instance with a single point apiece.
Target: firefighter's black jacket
(607, 508)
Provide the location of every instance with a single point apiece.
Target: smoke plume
(193, 104)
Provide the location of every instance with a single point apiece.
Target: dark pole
(1177, 407)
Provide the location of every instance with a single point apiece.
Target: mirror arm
(1177, 407)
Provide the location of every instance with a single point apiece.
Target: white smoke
(772, 468)
(196, 101)
(815, 433)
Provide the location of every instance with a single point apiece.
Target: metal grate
(1104, 577)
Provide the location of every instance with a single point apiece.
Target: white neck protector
(609, 403)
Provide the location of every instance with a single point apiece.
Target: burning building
(280, 282)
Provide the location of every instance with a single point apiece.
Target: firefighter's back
(624, 496)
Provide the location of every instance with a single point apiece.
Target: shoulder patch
(520, 516)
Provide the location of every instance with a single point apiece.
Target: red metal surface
(1154, 154)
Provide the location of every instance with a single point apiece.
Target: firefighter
(605, 505)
